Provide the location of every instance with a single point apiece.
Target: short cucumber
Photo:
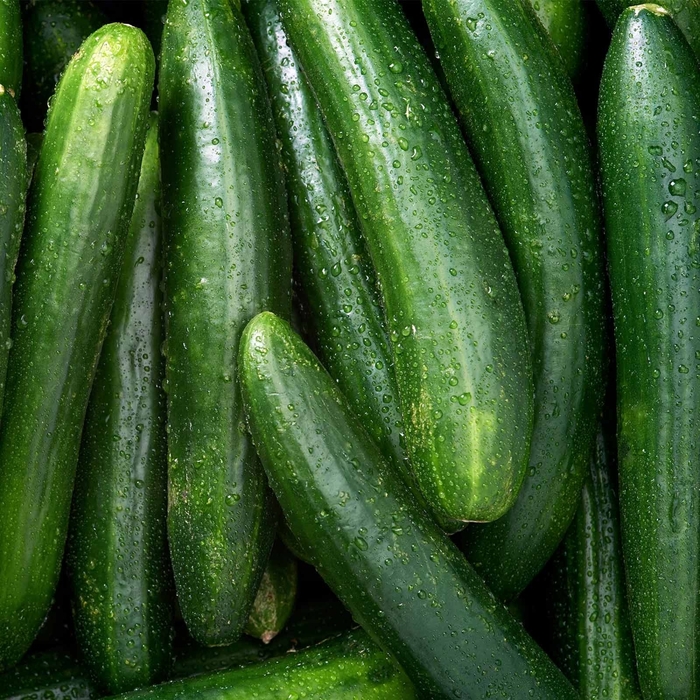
(118, 553)
(383, 556)
(502, 70)
(650, 164)
(274, 601)
(11, 47)
(454, 313)
(13, 185)
(228, 256)
(53, 32)
(78, 216)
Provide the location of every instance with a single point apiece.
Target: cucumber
(451, 300)
(118, 553)
(11, 47)
(685, 12)
(276, 595)
(78, 216)
(53, 32)
(566, 22)
(650, 166)
(393, 568)
(13, 185)
(228, 255)
(502, 70)
(34, 142)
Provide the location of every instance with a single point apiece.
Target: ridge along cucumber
(502, 70)
(592, 637)
(350, 667)
(53, 32)
(118, 549)
(11, 47)
(14, 179)
(454, 313)
(228, 256)
(383, 556)
(566, 22)
(686, 13)
(650, 165)
(78, 217)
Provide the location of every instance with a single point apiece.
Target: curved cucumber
(118, 548)
(650, 161)
(399, 575)
(502, 70)
(13, 185)
(11, 46)
(78, 216)
(227, 256)
(453, 308)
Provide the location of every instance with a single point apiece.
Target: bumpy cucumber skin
(503, 72)
(79, 210)
(13, 185)
(11, 47)
(650, 159)
(53, 32)
(399, 575)
(228, 256)
(566, 22)
(454, 313)
(118, 553)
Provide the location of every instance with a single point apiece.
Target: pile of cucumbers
(349, 349)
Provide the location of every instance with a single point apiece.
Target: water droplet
(219, 202)
(677, 187)
(668, 209)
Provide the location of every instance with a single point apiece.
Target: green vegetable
(227, 256)
(53, 32)
(78, 216)
(11, 46)
(502, 71)
(650, 160)
(119, 561)
(399, 575)
(452, 304)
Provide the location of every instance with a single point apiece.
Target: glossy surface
(399, 575)
(520, 115)
(79, 210)
(228, 256)
(451, 300)
(650, 157)
(118, 552)
(11, 46)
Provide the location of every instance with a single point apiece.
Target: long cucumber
(650, 160)
(79, 210)
(227, 254)
(454, 313)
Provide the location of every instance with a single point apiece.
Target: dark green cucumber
(451, 300)
(566, 22)
(79, 210)
(13, 189)
(277, 593)
(592, 639)
(53, 32)
(503, 71)
(227, 257)
(388, 562)
(686, 13)
(118, 553)
(649, 138)
(11, 46)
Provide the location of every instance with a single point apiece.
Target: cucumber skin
(371, 541)
(465, 393)
(653, 262)
(223, 264)
(548, 210)
(118, 553)
(11, 47)
(14, 180)
(66, 282)
(53, 32)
